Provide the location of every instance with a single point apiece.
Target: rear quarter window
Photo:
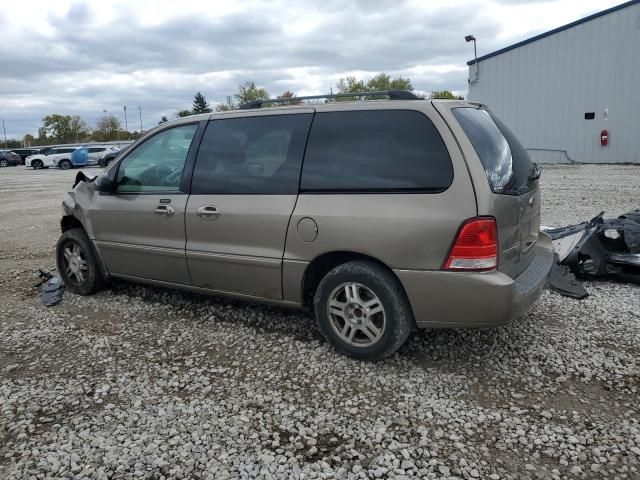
(506, 163)
(375, 150)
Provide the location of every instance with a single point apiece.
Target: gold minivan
(381, 215)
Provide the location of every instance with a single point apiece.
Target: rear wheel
(64, 164)
(4, 162)
(78, 263)
(362, 310)
(37, 164)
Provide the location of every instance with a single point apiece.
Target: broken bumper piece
(605, 248)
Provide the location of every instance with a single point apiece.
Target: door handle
(208, 212)
(165, 211)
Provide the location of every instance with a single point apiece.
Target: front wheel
(64, 165)
(363, 311)
(37, 164)
(4, 162)
(78, 263)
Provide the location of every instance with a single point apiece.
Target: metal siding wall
(543, 89)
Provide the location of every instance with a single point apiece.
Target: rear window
(381, 150)
(506, 163)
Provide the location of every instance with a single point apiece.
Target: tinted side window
(65, 150)
(375, 151)
(251, 155)
(96, 149)
(506, 163)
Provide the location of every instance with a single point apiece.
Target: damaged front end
(604, 248)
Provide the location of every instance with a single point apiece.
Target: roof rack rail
(391, 94)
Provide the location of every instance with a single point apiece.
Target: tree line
(249, 91)
(57, 128)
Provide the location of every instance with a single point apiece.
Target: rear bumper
(455, 299)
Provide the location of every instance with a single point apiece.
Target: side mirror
(106, 182)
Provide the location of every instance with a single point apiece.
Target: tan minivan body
(278, 247)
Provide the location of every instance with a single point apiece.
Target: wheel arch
(324, 263)
(68, 222)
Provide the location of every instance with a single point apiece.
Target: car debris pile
(601, 247)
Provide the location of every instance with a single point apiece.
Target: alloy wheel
(356, 314)
(75, 263)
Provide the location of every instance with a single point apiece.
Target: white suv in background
(61, 157)
(50, 158)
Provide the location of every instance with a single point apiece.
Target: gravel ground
(142, 382)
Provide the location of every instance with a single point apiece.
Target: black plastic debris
(82, 177)
(52, 290)
(562, 280)
(599, 248)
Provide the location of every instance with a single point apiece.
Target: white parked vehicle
(51, 158)
(62, 158)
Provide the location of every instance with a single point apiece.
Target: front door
(139, 229)
(244, 189)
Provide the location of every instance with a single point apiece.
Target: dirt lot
(141, 382)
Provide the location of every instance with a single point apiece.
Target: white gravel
(140, 382)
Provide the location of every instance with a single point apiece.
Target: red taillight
(475, 247)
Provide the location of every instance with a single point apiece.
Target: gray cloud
(83, 69)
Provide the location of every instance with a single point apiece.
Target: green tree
(350, 85)
(98, 136)
(42, 137)
(379, 82)
(290, 94)
(163, 119)
(223, 107)
(79, 129)
(200, 104)
(445, 95)
(184, 113)
(29, 140)
(64, 128)
(108, 126)
(248, 91)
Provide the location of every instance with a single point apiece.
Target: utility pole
(140, 112)
(126, 126)
(5, 134)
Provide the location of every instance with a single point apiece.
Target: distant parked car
(63, 158)
(97, 154)
(7, 158)
(110, 157)
(53, 157)
(25, 152)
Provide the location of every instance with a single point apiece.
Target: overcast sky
(81, 58)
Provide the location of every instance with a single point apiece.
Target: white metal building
(568, 92)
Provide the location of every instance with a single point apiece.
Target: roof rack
(391, 94)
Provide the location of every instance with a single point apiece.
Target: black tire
(37, 164)
(65, 164)
(4, 162)
(93, 279)
(395, 325)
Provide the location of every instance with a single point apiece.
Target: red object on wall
(604, 138)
